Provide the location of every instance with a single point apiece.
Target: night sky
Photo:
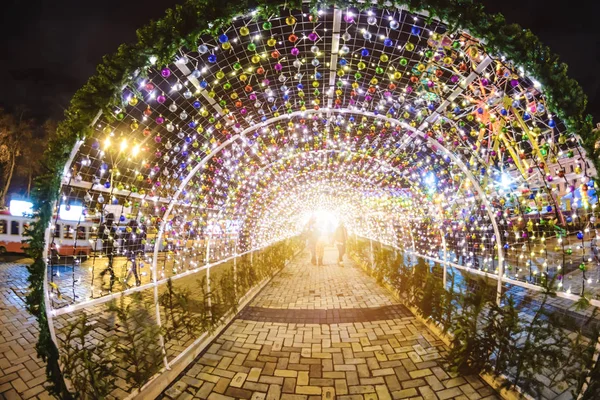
(49, 48)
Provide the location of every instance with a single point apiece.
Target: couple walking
(317, 241)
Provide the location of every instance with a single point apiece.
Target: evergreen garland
(184, 24)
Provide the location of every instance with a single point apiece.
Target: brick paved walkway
(324, 333)
(22, 374)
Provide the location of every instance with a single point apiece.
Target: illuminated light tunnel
(409, 131)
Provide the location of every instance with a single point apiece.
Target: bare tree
(28, 164)
(15, 134)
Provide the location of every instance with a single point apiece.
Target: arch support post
(500, 272)
(207, 261)
(372, 255)
(235, 279)
(445, 263)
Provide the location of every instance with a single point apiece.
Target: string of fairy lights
(406, 131)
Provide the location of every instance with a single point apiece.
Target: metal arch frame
(431, 142)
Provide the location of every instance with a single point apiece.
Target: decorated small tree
(89, 367)
(137, 347)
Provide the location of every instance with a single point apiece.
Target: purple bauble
(349, 18)
(157, 139)
(313, 36)
(161, 99)
(278, 67)
(454, 79)
(295, 51)
(160, 120)
(166, 72)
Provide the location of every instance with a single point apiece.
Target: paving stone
(382, 392)
(289, 385)
(427, 393)
(256, 387)
(328, 393)
(274, 392)
(238, 393)
(404, 394)
(222, 385)
(185, 396)
(434, 383)
(448, 393)
(205, 390)
(217, 396)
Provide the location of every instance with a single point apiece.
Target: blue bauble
(223, 38)
(212, 59)
(364, 53)
(415, 30)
